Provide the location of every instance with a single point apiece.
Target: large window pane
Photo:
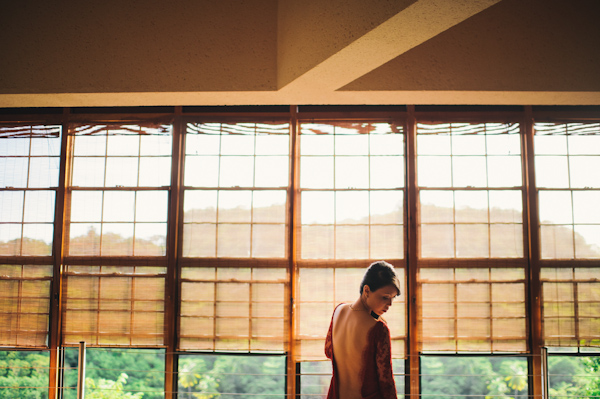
(351, 181)
(24, 374)
(566, 156)
(230, 377)
(473, 377)
(470, 222)
(235, 199)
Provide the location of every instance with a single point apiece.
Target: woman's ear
(367, 290)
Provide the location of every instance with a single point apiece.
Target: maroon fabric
(377, 376)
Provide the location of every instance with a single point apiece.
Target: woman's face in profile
(379, 301)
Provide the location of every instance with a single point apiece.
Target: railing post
(544, 352)
(81, 371)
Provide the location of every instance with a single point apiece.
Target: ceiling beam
(410, 27)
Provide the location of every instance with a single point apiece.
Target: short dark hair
(378, 275)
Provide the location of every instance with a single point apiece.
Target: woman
(358, 341)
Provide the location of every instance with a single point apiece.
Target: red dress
(359, 347)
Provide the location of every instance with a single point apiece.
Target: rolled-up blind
(473, 309)
(229, 305)
(24, 305)
(571, 306)
(114, 305)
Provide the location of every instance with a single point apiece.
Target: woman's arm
(383, 359)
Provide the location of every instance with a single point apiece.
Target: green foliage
(107, 389)
(25, 374)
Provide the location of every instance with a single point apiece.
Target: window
(351, 181)
(233, 308)
(567, 156)
(29, 166)
(24, 305)
(473, 309)
(571, 299)
(24, 374)
(236, 179)
(212, 376)
(470, 190)
(473, 377)
(119, 190)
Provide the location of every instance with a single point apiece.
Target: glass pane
(202, 144)
(84, 238)
(37, 239)
(437, 241)
(88, 172)
(471, 206)
(121, 171)
(352, 242)
(557, 242)
(386, 172)
(200, 206)
(550, 144)
(551, 172)
(86, 206)
(201, 171)
(317, 242)
(228, 376)
(317, 207)
(555, 207)
(13, 172)
(506, 207)
(503, 144)
(28, 372)
(271, 172)
(321, 144)
(587, 241)
(127, 144)
(586, 207)
(268, 241)
(237, 144)
(352, 207)
(236, 171)
(199, 240)
(155, 145)
(151, 206)
(90, 145)
(573, 376)
(352, 172)
(11, 206)
(387, 242)
(506, 241)
(269, 206)
(584, 145)
(581, 168)
(472, 241)
(351, 144)
(44, 172)
(150, 239)
(316, 172)
(387, 207)
(469, 171)
(119, 206)
(39, 206)
(472, 144)
(235, 206)
(275, 144)
(233, 240)
(433, 144)
(480, 376)
(386, 144)
(155, 172)
(117, 239)
(437, 206)
(434, 171)
(504, 171)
